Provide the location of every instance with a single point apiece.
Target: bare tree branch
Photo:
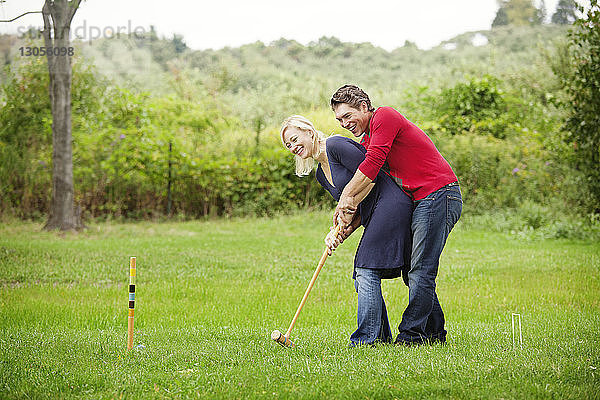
(74, 4)
(16, 18)
(46, 33)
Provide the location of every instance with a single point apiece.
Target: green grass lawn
(210, 293)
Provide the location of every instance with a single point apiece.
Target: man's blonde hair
(304, 166)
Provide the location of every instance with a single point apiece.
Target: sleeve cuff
(368, 170)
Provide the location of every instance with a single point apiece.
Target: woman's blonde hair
(304, 166)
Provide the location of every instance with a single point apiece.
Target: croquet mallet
(282, 339)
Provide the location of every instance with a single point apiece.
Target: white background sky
(219, 23)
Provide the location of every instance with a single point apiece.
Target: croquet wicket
(513, 330)
(131, 303)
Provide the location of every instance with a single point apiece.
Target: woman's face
(299, 142)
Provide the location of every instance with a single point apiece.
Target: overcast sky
(219, 23)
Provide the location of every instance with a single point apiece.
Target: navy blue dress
(386, 212)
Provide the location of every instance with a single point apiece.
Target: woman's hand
(333, 240)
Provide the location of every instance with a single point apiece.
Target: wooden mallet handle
(310, 285)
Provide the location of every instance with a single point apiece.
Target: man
(410, 157)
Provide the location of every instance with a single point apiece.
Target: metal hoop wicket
(513, 330)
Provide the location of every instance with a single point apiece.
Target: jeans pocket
(453, 210)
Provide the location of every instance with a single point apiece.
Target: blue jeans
(432, 220)
(373, 323)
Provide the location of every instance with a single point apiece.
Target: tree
(58, 15)
(565, 12)
(581, 82)
(178, 44)
(517, 12)
(542, 12)
(501, 17)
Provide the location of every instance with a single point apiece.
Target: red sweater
(412, 157)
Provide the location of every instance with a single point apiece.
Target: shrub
(580, 78)
(474, 106)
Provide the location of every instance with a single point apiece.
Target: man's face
(356, 121)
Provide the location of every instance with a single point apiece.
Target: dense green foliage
(493, 110)
(210, 293)
(121, 156)
(26, 135)
(476, 105)
(581, 81)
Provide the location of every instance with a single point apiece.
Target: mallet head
(281, 339)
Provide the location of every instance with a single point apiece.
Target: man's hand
(347, 231)
(344, 212)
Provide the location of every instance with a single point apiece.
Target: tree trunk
(58, 15)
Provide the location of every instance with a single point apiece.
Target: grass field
(210, 293)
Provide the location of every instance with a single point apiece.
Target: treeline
(497, 117)
(122, 160)
(526, 13)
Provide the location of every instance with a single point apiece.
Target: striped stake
(131, 302)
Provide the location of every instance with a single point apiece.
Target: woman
(385, 214)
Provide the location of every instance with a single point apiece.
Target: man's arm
(355, 191)
(385, 126)
(345, 233)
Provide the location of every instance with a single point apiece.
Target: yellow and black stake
(131, 303)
